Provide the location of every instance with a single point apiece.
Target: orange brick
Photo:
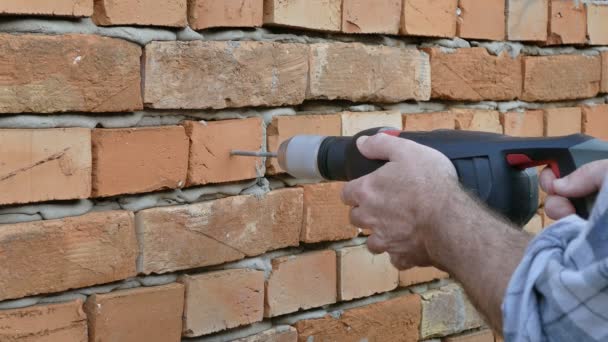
(429, 18)
(523, 124)
(57, 255)
(214, 232)
(482, 19)
(79, 73)
(478, 336)
(210, 146)
(301, 281)
(595, 121)
(396, 319)
(284, 127)
(567, 23)
(118, 316)
(478, 120)
(562, 121)
(363, 16)
(472, 74)
(65, 322)
(353, 123)
(222, 300)
(604, 82)
(170, 13)
(535, 225)
(204, 14)
(278, 334)
(72, 8)
(563, 77)
(134, 160)
(527, 20)
(323, 15)
(44, 164)
(418, 275)
(326, 218)
(597, 26)
(429, 121)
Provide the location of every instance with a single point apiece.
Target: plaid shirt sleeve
(559, 292)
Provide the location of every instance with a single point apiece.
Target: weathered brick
(363, 16)
(210, 146)
(72, 8)
(323, 15)
(567, 23)
(170, 13)
(562, 121)
(478, 120)
(535, 225)
(527, 20)
(57, 255)
(118, 316)
(478, 336)
(284, 127)
(234, 74)
(276, 334)
(222, 300)
(472, 74)
(203, 14)
(44, 164)
(429, 18)
(214, 232)
(523, 124)
(418, 275)
(595, 121)
(563, 77)
(88, 73)
(597, 26)
(429, 121)
(481, 19)
(134, 160)
(301, 282)
(342, 71)
(353, 123)
(393, 320)
(604, 82)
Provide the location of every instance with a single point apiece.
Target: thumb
(382, 147)
(582, 182)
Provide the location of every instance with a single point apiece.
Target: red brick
(604, 82)
(393, 320)
(301, 282)
(418, 275)
(234, 74)
(57, 255)
(323, 15)
(222, 300)
(44, 164)
(429, 18)
(472, 74)
(326, 217)
(429, 121)
(363, 16)
(284, 127)
(118, 316)
(214, 232)
(362, 274)
(210, 146)
(65, 322)
(341, 71)
(482, 19)
(597, 26)
(353, 123)
(203, 14)
(567, 23)
(562, 121)
(595, 121)
(72, 8)
(478, 336)
(478, 120)
(134, 160)
(563, 77)
(523, 124)
(535, 225)
(63, 73)
(278, 334)
(527, 20)
(170, 13)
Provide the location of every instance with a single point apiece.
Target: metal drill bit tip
(253, 154)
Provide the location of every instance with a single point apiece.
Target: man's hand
(583, 182)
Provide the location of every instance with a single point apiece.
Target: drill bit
(253, 154)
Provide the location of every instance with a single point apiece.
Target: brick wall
(124, 218)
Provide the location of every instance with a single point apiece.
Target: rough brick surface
(134, 160)
(362, 274)
(595, 121)
(472, 74)
(604, 83)
(353, 123)
(310, 14)
(57, 255)
(75, 8)
(562, 121)
(567, 23)
(563, 77)
(197, 74)
(535, 225)
(343, 71)
(65, 322)
(204, 14)
(141, 12)
(44, 164)
(214, 232)
(151, 314)
(429, 121)
(523, 124)
(277, 334)
(393, 320)
(222, 300)
(326, 217)
(210, 146)
(597, 25)
(46, 74)
(478, 120)
(363, 16)
(418, 275)
(436, 18)
(481, 19)
(301, 282)
(478, 336)
(527, 20)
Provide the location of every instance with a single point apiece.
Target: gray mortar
(484, 105)
(34, 212)
(232, 335)
(358, 241)
(415, 108)
(514, 49)
(447, 45)
(260, 263)
(289, 181)
(504, 107)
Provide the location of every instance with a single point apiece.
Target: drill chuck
(298, 156)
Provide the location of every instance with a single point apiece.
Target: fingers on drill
(381, 147)
(584, 181)
(376, 245)
(546, 180)
(359, 218)
(557, 207)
